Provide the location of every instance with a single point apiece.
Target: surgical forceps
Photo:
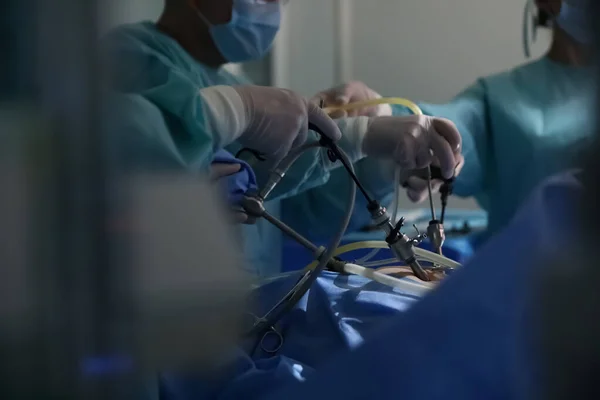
(435, 229)
(270, 334)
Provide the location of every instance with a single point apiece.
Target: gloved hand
(269, 120)
(412, 142)
(352, 92)
(416, 187)
(222, 170)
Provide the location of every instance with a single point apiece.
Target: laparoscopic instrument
(402, 246)
(435, 229)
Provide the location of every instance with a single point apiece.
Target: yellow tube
(375, 102)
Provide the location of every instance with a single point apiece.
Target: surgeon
(176, 64)
(517, 127)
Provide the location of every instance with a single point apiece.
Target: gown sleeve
(469, 112)
(141, 70)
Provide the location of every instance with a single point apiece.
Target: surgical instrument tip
(436, 234)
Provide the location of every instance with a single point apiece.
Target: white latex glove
(352, 92)
(416, 187)
(412, 142)
(222, 170)
(269, 120)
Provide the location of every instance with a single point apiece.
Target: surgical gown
(476, 336)
(155, 66)
(518, 127)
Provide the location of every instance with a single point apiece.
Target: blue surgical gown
(337, 314)
(155, 66)
(518, 127)
(476, 336)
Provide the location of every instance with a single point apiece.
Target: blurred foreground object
(113, 265)
(187, 278)
(570, 300)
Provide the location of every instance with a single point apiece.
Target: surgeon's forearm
(469, 112)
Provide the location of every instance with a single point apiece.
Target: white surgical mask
(251, 31)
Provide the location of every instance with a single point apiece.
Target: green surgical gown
(310, 198)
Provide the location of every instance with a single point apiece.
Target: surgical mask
(574, 20)
(251, 31)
